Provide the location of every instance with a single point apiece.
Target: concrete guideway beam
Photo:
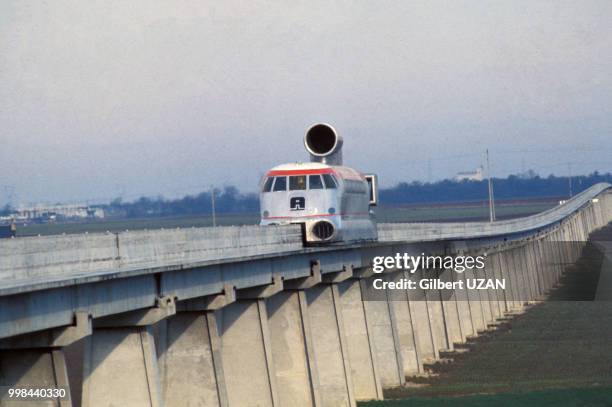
(261, 291)
(52, 338)
(164, 308)
(302, 338)
(306, 282)
(338, 276)
(209, 302)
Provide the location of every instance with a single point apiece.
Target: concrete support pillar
(528, 272)
(551, 249)
(120, 360)
(493, 265)
(463, 308)
(419, 316)
(492, 294)
(507, 270)
(247, 355)
(189, 358)
(552, 259)
(435, 312)
(541, 255)
(487, 298)
(450, 307)
(519, 269)
(535, 261)
(381, 315)
(41, 368)
(359, 342)
(539, 264)
(475, 303)
(559, 256)
(120, 368)
(408, 341)
(532, 276)
(293, 350)
(331, 353)
(519, 273)
(37, 360)
(329, 342)
(572, 234)
(555, 256)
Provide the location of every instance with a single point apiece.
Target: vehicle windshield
(314, 182)
(280, 184)
(299, 182)
(330, 182)
(267, 187)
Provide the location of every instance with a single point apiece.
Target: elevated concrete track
(245, 316)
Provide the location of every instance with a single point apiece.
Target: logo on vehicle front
(297, 203)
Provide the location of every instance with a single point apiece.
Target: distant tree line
(227, 200)
(230, 200)
(513, 187)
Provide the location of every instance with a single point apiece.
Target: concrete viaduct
(248, 316)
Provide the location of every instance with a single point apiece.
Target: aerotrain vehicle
(332, 202)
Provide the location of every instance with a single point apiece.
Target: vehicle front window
(330, 182)
(280, 184)
(268, 184)
(315, 182)
(297, 183)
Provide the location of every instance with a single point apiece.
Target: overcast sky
(107, 98)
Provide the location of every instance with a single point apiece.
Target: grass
(118, 225)
(557, 353)
(578, 397)
(458, 212)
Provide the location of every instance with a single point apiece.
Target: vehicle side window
(315, 182)
(297, 182)
(268, 184)
(330, 183)
(280, 184)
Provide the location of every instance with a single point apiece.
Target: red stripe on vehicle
(320, 215)
(301, 172)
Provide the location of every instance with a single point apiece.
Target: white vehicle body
(333, 202)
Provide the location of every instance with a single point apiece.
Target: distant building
(55, 212)
(477, 175)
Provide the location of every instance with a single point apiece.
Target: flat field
(558, 352)
(427, 213)
(597, 396)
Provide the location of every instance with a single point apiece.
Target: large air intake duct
(323, 144)
(323, 230)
